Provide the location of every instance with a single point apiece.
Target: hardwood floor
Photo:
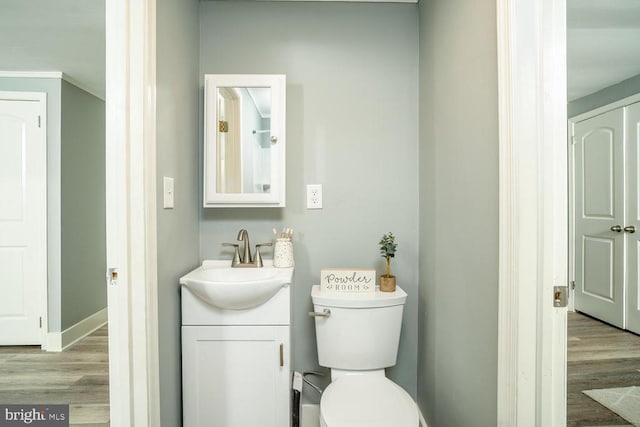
(598, 356)
(78, 376)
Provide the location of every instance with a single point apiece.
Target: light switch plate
(168, 192)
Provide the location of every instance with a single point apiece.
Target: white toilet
(358, 336)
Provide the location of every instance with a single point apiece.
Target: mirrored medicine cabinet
(244, 140)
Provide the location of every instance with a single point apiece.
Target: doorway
(605, 212)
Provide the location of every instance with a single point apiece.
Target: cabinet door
(599, 217)
(235, 376)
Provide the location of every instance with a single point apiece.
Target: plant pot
(388, 284)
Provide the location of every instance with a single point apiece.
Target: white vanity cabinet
(236, 363)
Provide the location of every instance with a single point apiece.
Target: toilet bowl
(367, 400)
(357, 338)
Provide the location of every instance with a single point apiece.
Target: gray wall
(351, 126)
(177, 157)
(83, 240)
(458, 325)
(605, 96)
(75, 199)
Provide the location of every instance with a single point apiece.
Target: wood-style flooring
(78, 376)
(598, 356)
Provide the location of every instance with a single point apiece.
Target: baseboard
(59, 341)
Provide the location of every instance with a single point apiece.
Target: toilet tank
(363, 330)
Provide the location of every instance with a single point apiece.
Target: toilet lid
(367, 400)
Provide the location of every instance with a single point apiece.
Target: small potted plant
(388, 250)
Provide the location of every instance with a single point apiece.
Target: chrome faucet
(246, 259)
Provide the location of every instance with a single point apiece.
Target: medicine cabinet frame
(276, 195)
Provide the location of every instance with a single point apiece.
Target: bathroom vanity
(235, 362)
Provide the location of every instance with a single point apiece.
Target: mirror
(244, 140)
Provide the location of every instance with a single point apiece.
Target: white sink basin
(222, 286)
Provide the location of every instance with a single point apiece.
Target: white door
(23, 213)
(632, 225)
(599, 217)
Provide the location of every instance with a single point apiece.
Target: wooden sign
(347, 280)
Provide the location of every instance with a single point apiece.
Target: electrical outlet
(314, 196)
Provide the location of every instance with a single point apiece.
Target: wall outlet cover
(314, 196)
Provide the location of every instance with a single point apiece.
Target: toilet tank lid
(358, 300)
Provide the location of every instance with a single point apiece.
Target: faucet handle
(236, 253)
(258, 258)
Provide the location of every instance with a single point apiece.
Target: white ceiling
(603, 44)
(55, 35)
(603, 39)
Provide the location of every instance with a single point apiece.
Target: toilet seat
(366, 401)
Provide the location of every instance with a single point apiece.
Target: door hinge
(560, 296)
(39, 121)
(223, 126)
(573, 284)
(40, 322)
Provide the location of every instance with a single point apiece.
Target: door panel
(598, 173)
(598, 267)
(22, 221)
(633, 217)
(599, 206)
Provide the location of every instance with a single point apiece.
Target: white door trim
(43, 294)
(131, 212)
(533, 212)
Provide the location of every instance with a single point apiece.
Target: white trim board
(533, 212)
(60, 341)
(50, 75)
(134, 375)
(32, 74)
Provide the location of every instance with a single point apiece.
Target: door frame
(532, 208)
(134, 391)
(43, 289)
(533, 213)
